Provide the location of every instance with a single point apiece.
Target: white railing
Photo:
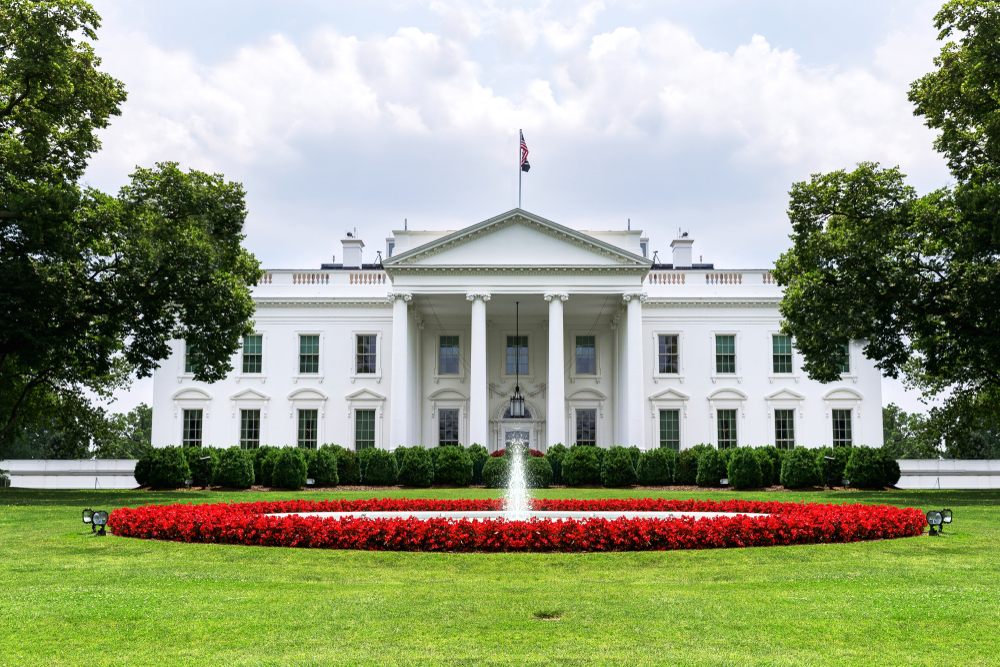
(339, 277)
(368, 278)
(667, 277)
(723, 278)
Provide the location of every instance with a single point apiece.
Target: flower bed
(534, 452)
(248, 524)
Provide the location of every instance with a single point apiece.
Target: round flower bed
(249, 524)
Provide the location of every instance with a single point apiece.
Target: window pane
(845, 359)
(252, 353)
(727, 429)
(725, 354)
(586, 427)
(366, 353)
(586, 355)
(364, 429)
(517, 354)
(842, 428)
(447, 427)
(308, 354)
(190, 354)
(308, 428)
(782, 353)
(670, 429)
(668, 354)
(784, 429)
(448, 359)
(249, 429)
(191, 435)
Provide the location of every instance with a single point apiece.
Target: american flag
(525, 166)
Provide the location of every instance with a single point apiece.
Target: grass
(70, 599)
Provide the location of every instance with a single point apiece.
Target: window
(366, 353)
(253, 353)
(727, 429)
(781, 351)
(364, 429)
(725, 354)
(586, 355)
(670, 429)
(447, 427)
(668, 354)
(845, 359)
(842, 428)
(308, 354)
(308, 428)
(586, 427)
(448, 356)
(249, 429)
(190, 357)
(517, 355)
(191, 437)
(784, 429)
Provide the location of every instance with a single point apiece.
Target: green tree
(128, 435)
(916, 278)
(95, 286)
(908, 436)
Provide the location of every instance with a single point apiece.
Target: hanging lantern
(517, 403)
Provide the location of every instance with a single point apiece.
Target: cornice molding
(712, 302)
(479, 270)
(292, 302)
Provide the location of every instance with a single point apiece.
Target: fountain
(517, 500)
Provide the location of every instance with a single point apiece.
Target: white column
(636, 393)
(555, 390)
(399, 392)
(478, 403)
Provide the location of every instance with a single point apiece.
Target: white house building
(607, 347)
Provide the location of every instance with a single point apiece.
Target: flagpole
(519, 170)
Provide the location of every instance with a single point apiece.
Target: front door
(513, 435)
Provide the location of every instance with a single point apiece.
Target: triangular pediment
(516, 239)
(785, 395)
(670, 395)
(364, 395)
(249, 395)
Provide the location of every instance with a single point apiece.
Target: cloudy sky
(357, 114)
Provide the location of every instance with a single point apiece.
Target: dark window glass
(190, 357)
(308, 428)
(845, 359)
(448, 359)
(366, 353)
(191, 436)
(517, 354)
(670, 429)
(586, 427)
(725, 354)
(308, 354)
(667, 352)
(447, 427)
(249, 429)
(842, 428)
(727, 429)
(253, 353)
(586, 355)
(784, 429)
(781, 350)
(364, 429)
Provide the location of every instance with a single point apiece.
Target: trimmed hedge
(777, 456)
(170, 469)
(744, 469)
(712, 467)
(557, 453)
(766, 466)
(380, 469)
(258, 455)
(289, 469)
(799, 469)
(267, 467)
(840, 455)
(235, 469)
(144, 466)
(582, 466)
(195, 466)
(495, 472)
(417, 469)
(537, 473)
(686, 467)
(453, 465)
(323, 468)
(618, 470)
(869, 468)
(656, 467)
(477, 453)
(348, 467)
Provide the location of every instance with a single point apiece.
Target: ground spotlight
(100, 519)
(88, 518)
(945, 518)
(934, 520)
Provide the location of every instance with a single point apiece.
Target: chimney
(682, 251)
(352, 251)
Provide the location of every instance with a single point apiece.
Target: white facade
(574, 289)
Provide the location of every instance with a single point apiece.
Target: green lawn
(69, 599)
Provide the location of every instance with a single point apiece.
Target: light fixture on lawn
(945, 518)
(934, 520)
(88, 518)
(517, 401)
(100, 519)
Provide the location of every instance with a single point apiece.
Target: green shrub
(400, 454)
(556, 453)
(267, 467)
(196, 467)
(495, 472)
(258, 455)
(890, 467)
(867, 468)
(766, 466)
(744, 470)
(477, 453)
(656, 467)
(144, 466)
(582, 466)
(712, 467)
(381, 469)
(618, 470)
(309, 456)
(636, 454)
(323, 468)
(538, 472)
(453, 466)
(170, 469)
(235, 469)
(775, 456)
(348, 467)
(799, 469)
(840, 455)
(364, 456)
(289, 469)
(417, 469)
(686, 467)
